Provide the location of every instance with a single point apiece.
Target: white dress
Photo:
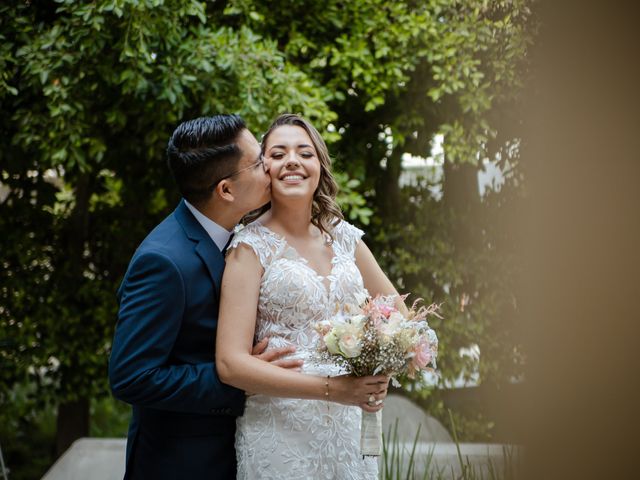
(282, 438)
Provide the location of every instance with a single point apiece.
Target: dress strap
(264, 245)
(347, 237)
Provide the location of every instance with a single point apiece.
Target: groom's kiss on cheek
(252, 181)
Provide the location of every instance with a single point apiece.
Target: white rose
(350, 345)
(358, 321)
(385, 339)
(331, 341)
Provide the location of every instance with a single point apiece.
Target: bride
(296, 265)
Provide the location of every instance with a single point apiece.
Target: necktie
(224, 250)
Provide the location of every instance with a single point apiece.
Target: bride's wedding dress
(281, 438)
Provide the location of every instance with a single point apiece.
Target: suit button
(214, 411)
(228, 411)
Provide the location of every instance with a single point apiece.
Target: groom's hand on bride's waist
(276, 355)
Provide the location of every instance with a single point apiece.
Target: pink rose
(422, 354)
(386, 310)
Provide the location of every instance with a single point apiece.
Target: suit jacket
(162, 359)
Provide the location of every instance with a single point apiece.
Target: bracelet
(327, 398)
(326, 386)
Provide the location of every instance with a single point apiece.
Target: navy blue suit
(162, 359)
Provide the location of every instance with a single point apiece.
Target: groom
(162, 359)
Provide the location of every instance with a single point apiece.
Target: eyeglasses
(249, 167)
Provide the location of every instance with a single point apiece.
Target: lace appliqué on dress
(301, 439)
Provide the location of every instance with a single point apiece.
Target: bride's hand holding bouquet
(375, 338)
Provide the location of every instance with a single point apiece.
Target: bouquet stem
(371, 434)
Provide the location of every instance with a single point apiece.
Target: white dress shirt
(218, 234)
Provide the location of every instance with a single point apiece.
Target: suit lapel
(205, 248)
(214, 261)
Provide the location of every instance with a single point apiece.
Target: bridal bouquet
(376, 338)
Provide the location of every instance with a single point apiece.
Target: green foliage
(476, 53)
(27, 436)
(473, 285)
(418, 249)
(351, 202)
(396, 465)
(109, 418)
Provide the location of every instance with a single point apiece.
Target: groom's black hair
(202, 151)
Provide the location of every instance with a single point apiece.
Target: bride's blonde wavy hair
(325, 212)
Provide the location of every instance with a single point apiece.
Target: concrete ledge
(94, 458)
(408, 416)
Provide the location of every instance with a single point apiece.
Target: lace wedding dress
(282, 438)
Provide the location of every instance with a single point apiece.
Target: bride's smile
(293, 163)
(292, 178)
